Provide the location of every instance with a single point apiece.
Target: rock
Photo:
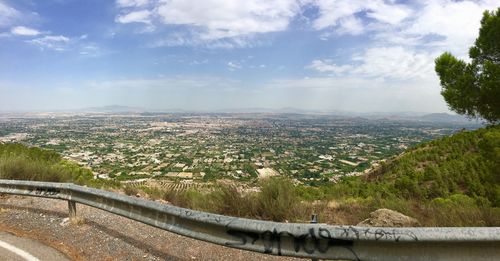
(64, 222)
(388, 218)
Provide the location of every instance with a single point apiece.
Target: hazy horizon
(221, 109)
(313, 55)
(122, 109)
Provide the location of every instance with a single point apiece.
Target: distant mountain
(444, 117)
(270, 110)
(396, 116)
(422, 117)
(113, 108)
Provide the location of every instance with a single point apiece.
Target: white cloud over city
(383, 63)
(406, 39)
(323, 54)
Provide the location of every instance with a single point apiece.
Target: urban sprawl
(197, 149)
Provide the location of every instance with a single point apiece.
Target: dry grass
(278, 201)
(130, 191)
(77, 221)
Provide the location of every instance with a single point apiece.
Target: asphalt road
(15, 248)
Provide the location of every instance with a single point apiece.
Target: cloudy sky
(345, 55)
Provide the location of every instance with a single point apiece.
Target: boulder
(388, 218)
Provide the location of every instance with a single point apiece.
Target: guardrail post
(314, 220)
(72, 209)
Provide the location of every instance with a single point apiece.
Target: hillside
(453, 181)
(466, 163)
(20, 162)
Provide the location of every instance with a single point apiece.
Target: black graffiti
(320, 241)
(377, 234)
(310, 242)
(269, 239)
(243, 236)
(44, 191)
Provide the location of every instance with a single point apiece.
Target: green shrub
(19, 162)
(278, 200)
(456, 210)
(229, 200)
(22, 168)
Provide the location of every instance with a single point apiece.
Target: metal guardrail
(318, 241)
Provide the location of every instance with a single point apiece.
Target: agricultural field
(181, 151)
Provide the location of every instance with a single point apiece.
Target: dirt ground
(105, 236)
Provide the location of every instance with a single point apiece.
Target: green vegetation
(465, 163)
(277, 200)
(473, 88)
(453, 181)
(23, 163)
(313, 149)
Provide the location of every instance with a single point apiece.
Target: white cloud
(56, 38)
(341, 14)
(24, 31)
(457, 22)
(142, 16)
(230, 24)
(233, 66)
(396, 70)
(210, 23)
(354, 94)
(131, 3)
(330, 12)
(190, 38)
(393, 63)
(351, 25)
(433, 24)
(174, 39)
(90, 50)
(387, 12)
(327, 66)
(55, 42)
(217, 19)
(8, 14)
(406, 42)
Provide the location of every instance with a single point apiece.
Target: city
(250, 130)
(161, 149)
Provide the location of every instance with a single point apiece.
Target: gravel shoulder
(15, 248)
(105, 236)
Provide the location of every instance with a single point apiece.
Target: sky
(209, 55)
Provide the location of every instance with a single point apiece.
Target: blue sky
(363, 56)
